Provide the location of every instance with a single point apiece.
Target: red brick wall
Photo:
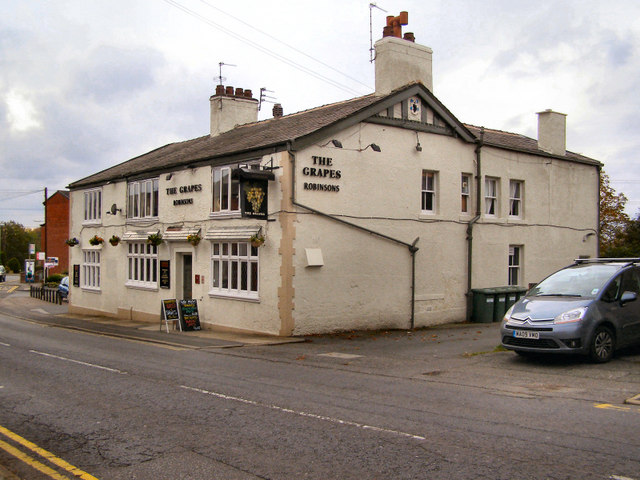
(56, 231)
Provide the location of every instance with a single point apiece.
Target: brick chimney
(277, 111)
(231, 107)
(552, 132)
(400, 61)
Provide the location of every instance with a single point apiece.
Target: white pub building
(382, 211)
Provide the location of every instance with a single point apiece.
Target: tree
(627, 244)
(15, 240)
(613, 219)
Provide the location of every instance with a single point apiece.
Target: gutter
(411, 246)
(479, 144)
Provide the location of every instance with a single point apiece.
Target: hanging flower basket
(72, 242)
(114, 240)
(256, 240)
(154, 239)
(96, 240)
(194, 239)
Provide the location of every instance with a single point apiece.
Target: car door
(629, 313)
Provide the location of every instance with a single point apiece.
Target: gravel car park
(589, 308)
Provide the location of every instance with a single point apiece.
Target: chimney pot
(277, 111)
(229, 91)
(219, 90)
(248, 93)
(239, 92)
(410, 37)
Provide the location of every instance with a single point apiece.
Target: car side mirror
(628, 297)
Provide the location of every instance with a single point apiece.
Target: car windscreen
(581, 281)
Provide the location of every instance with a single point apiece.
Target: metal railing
(48, 294)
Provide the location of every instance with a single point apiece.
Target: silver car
(588, 308)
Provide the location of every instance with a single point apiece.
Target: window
(226, 191)
(91, 269)
(465, 192)
(428, 191)
(515, 198)
(515, 259)
(93, 206)
(143, 265)
(143, 199)
(491, 196)
(234, 269)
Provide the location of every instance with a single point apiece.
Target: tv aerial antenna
(371, 49)
(264, 97)
(220, 77)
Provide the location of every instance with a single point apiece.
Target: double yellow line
(32, 462)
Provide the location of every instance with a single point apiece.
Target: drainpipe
(479, 144)
(411, 246)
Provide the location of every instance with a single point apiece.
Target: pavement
(21, 305)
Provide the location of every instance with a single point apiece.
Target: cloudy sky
(86, 84)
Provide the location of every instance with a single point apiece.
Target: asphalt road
(433, 404)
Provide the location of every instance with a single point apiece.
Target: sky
(88, 84)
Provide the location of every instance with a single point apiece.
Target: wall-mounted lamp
(373, 146)
(418, 146)
(590, 234)
(336, 143)
(168, 177)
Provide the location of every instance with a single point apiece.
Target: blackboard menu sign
(189, 314)
(165, 274)
(170, 312)
(76, 275)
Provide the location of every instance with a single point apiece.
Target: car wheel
(602, 345)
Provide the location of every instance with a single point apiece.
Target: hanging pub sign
(254, 188)
(254, 199)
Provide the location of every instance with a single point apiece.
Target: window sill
(137, 286)
(91, 289)
(229, 296)
(92, 223)
(142, 220)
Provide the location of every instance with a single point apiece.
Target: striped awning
(173, 234)
(138, 235)
(238, 233)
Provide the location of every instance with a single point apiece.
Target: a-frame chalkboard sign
(170, 313)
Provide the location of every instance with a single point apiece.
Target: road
(432, 404)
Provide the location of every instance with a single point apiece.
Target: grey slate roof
(274, 134)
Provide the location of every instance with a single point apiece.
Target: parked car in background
(63, 288)
(589, 308)
(3, 274)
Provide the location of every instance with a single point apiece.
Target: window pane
(225, 275)
(154, 199)
(216, 273)
(243, 276)
(217, 190)
(224, 205)
(235, 194)
(254, 277)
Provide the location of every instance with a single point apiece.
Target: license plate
(526, 334)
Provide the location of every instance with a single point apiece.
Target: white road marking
(4, 344)
(79, 362)
(305, 414)
(618, 477)
(345, 356)
(40, 310)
